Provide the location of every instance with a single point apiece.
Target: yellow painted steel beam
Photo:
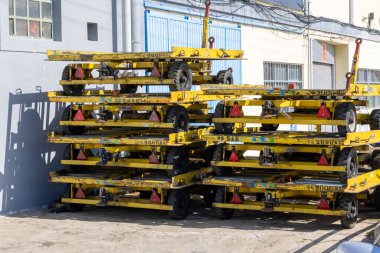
(281, 120)
(137, 107)
(115, 65)
(176, 182)
(363, 182)
(124, 202)
(299, 138)
(174, 139)
(115, 149)
(121, 162)
(357, 90)
(140, 80)
(289, 208)
(176, 53)
(306, 166)
(104, 97)
(281, 148)
(298, 103)
(119, 123)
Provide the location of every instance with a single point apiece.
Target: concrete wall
(25, 156)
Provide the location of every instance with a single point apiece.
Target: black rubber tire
(71, 90)
(348, 157)
(220, 197)
(178, 156)
(145, 194)
(222, 128)
(224, 77)
(180, 117)
(208, 194)
(349, 203)
(218, 156)
(128, 89)
(376, 195)
(71, 129)
(180, 201)
(182, 75)
(67, 156)
(375, 160)
(269, 127)
(70, 207)
(346, 111)
(374, 120)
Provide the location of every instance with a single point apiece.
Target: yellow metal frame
(176, 182)
(186, 53)
(286, 208)
(173, 139)
(123, 202)
(356, 185)
(109, 97)
(298, 138)
(291, 165)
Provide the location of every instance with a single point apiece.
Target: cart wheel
(208, 194)
(70, 206)
(374, 120)
(66, 117)
(348, 157)
(71, 90)
(182, 75)
(179, 116)
(67, 156)
(376, 195)
(218, 156)
(128, 89)
(145, 194)
(220, 197)
(375, 160)
(224, 77)
(269, 127)
(349, 203)
(180, 201)
(179, 157)
(347, 112)
(223, 128)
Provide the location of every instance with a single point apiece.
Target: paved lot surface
(110, 229)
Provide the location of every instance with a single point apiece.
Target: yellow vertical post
(352, 76)
(206, 21)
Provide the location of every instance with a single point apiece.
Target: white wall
(262, 45)
(336, 9)
(362, 8)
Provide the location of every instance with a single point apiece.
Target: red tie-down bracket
(236, 198)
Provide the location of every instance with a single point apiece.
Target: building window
(30, 18)
(92, 31)
(368, 76)
(280, 75)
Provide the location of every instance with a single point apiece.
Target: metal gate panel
(322, 76)
(164, 31)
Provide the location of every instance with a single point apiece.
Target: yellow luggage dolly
(179, 68)
(295, 192)
(126, 189)
(174, 153)
(292, 151)
(101, 109)
(298, 107)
